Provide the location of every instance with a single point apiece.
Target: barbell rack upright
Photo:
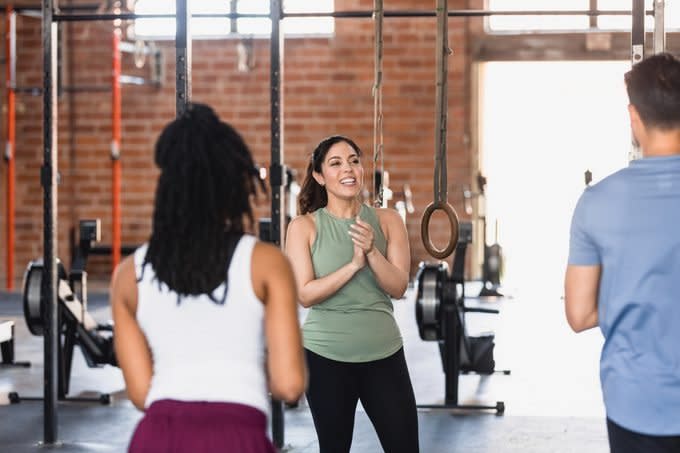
(277, 173)
(183, 57)
(48, 178)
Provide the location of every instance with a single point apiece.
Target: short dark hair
(312, 196)
(203, 195)
(653, 87)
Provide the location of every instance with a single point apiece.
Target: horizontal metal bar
(449, 406)
(561, 46)
(37, 91)
(462, 13)
(124, 79)
(134, 16)
(346, 14)
(83, 7)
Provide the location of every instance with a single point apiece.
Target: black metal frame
(452, 310)
(155, 80)
(638, 31)
(73, 330)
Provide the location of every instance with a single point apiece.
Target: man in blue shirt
(624, 269)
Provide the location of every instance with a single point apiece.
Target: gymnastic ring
(425, 230)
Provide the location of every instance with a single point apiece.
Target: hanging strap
(378, 158)
(441, 104)
(440, 176)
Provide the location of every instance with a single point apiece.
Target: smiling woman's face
(341, 171)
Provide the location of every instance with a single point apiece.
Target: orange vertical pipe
(10, 30)
(115, 150)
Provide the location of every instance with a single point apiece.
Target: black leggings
(384, 388)
(622, 440)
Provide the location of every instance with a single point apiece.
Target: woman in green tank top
(350, 260)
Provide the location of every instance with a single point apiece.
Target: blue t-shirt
(629, 224)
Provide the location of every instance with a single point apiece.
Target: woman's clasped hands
(363, 237)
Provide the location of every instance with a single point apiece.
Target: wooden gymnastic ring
(425, 230)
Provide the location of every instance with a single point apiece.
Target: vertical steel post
(277, 171)
(10, 67)
(49, 182)
(233, 6)
(638, 31)
(592, 20)
(183, 56)
(637, 47)
(659, 26)
(116, 101)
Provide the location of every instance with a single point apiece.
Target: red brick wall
(327, 90)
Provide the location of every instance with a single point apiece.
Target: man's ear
(635, 120)
(636, 125)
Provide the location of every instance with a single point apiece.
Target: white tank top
(203, 351)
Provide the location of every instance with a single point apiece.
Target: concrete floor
(552, 398)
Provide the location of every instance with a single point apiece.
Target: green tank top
(356, 324)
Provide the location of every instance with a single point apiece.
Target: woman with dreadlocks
(197, 306)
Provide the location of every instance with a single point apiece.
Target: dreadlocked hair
(202, 200)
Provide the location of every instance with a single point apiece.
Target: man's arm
(581, 284)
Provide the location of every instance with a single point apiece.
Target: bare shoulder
(302, 229)
(266, 254)
(124, 284)
(390, 221)
(302, 224)
(388, 215)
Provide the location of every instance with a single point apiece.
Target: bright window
(219, 27)
(575, 22)
(671, 16)
(543, 124)
(520, 23)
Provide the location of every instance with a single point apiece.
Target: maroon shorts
(171, 426)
